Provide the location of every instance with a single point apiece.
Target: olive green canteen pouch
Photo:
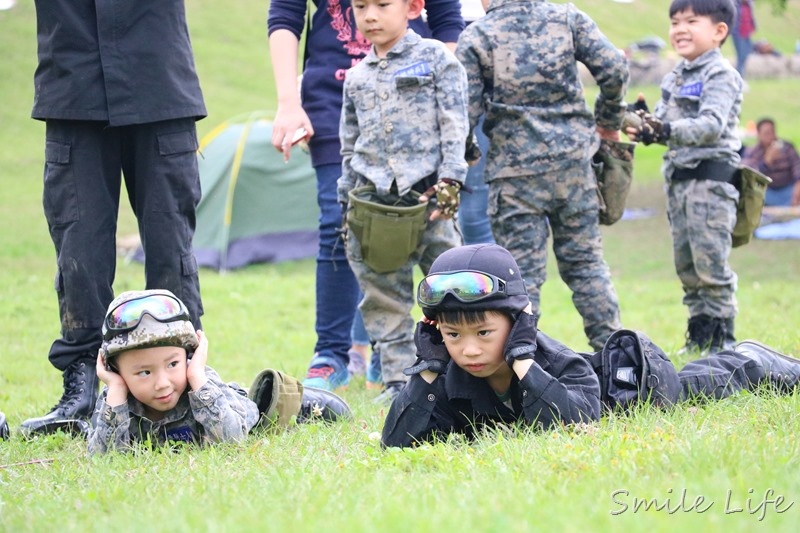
(388, 228)
(752, 186)
(613, 168)
(278, 397)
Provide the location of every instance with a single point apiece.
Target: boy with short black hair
(159, 389)
(481, 360)
(403, 132)
(697, 118)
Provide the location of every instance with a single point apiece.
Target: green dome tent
(255, 208)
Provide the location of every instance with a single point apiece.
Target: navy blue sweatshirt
(334, 45)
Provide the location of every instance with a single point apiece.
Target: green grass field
(735, 454)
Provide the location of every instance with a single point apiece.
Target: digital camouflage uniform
(521, 64)
(217, 412)
(404, 121)
(701, 100)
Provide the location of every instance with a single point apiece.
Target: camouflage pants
(702, 214)
(389, 298)
(522, 208)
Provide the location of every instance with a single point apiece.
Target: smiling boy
(697, 118)
(159, 388)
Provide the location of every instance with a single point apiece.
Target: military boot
(717, 336)
(782, 370)
(75, 406)
(3, 427)
(708, 335)
(697, 334)
(322, 405)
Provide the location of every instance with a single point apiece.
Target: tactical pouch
(278, 397)
(632, 369)
(752, 186)
(613, 168)
(389, 229)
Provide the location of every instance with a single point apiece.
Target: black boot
(697, 334)
(3, 427)
(708, 335)
(783, 371)
(75, 406)
(319, 404)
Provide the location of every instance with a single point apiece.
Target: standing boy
(333, 45)
(117, 89)
(159, 389)
(403, 130)
(521, 64)
(697, 119)
(481, 360)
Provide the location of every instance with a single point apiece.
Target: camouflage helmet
(151, 329)
(487, 258)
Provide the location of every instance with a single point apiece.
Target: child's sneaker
(374, 377)
(326, 373)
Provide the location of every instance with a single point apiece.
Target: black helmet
(501, 287)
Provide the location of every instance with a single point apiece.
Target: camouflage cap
(149, 332)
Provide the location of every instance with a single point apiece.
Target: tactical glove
(652, 130)
(432, 354)
(446, 192)
(521, 343)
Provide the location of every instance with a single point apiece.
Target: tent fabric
(255, 207)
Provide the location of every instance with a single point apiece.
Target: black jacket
(560, 388)
(122, 62)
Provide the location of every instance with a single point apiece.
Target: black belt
(707, 170)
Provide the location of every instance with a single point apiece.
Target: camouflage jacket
(521, 65)
(701, 100)
(404, 117)
(216, 412)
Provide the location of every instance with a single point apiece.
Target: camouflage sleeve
(451, 101)
(224, 410)
(720, 93)
(467, 54)
(608, 66)
(110, 427)
(348, 134)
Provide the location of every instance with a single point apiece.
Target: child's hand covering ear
(521, 343)
(432, 354)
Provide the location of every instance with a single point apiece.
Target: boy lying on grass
(159, 389)
(481, 360)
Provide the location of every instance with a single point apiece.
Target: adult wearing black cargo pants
(117, 88)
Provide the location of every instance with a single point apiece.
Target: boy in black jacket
(481, 360)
